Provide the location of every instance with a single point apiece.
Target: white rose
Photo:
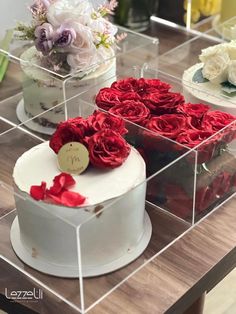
(215, 68)
(211, 51)
(60, 11)
(82, 53)
(232, 72)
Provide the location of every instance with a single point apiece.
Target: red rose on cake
(72, 130)
(107, 149)
(101, 133)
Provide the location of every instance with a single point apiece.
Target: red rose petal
(69, 198)
(38, 192)
(63, 180)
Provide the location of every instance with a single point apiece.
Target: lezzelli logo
(24, 295)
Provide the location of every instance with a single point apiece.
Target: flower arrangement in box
(70, 35)
(176, 126)
(73, 48)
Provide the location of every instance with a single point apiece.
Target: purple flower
(64, 37)
(44, 38)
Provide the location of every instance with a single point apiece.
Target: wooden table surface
(170, 283)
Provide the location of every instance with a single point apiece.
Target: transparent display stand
(82, 255)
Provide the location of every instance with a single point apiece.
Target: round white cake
(207, 92)
(43, 91)
(45, 236)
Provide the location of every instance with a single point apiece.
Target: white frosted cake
(69, 38)
(108, 241)
(43, 91)
(213, 80)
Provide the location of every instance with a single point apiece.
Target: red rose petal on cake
(66, 198)
(72, 199)
(38, 192)
(60, 182)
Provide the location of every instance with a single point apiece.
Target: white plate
(72, 271)
(32, 125)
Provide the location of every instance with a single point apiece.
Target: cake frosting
(210, 94)
(43, 91)
(51, 241)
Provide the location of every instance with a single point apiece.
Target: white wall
(12, 11)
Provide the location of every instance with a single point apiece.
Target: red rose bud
(72, 130)
(107, 149)
(159, 103)
(100, 120)
(107, 98)
(129, 84)
(193, 110)
(38, 192)
(134, 111)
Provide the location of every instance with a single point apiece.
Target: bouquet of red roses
(151, 104)
(101, 133)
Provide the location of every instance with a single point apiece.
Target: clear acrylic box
(97, 252)
(109, 236)
(28, 89)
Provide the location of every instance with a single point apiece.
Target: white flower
(60, 11)
(212, 51)
(215, 67)
(82, 52)
(232, 72)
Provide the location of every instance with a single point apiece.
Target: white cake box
(40, 88)
(98, 246)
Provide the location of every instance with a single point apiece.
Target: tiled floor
(222, 299)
